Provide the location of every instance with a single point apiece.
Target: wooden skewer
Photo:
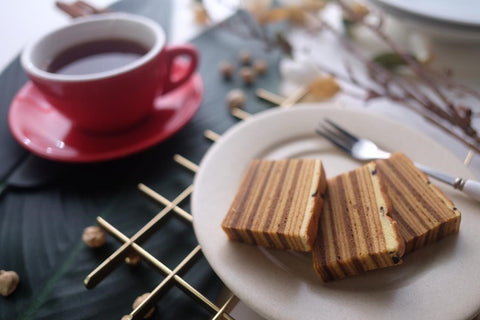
(213, 136)
(269, 96)
(275, 99)
(185, 162)
(240, 114)
(158, 197)
(468, 158)
(295, 97)
(108, 265)
(184, 285)
(78, 8)
(225, 306)
(149, 302)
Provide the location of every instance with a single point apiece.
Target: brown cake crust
(356, 232)
(423, 212)
(278, 204)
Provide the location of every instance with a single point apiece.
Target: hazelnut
(248, 75)
(261, 67)
(139, 300)
(236, 99)
(132, 259)
(8, 282)
(93, 236)
(245, 57)
(227, 70)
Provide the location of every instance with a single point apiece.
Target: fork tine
(345, 132)
(333, 139)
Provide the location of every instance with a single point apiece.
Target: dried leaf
(324, 87)
(313, 5)
(390, 60)
(357, 11)
(297, 16)
(200, 15)
(275, 15)
(257, 7)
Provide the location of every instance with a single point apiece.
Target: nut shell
(236, 99)
(8, 282)
(248, 75)
(245, 57)
(227, 70)
(139, 300)
(93, 236)
(260, 67)
(132, 259)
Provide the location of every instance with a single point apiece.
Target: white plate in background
(447, 19)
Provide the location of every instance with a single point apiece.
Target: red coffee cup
(114, 99)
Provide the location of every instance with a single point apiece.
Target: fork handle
(470, 187)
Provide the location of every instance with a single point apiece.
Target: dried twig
(428, 95)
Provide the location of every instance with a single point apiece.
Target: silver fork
(364, 149)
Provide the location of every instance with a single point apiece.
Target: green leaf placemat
(40, 229)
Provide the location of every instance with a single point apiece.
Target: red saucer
(42, 130)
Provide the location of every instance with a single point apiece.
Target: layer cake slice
(278, 204)
(422, 211)
(356, 232)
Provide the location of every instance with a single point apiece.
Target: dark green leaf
(348, 25)
(40, 229)
(391, 60)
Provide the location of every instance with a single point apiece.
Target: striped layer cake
(422, 211)
(278, 204)
(356, 232)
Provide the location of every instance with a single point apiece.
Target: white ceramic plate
(441, 281)
(458, 12)
(445, 19)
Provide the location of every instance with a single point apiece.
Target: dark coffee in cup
(96, 56)
(101, 97)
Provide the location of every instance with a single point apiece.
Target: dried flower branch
(430, 94)
(445, 108)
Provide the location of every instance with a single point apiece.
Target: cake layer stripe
(275, 206)
(360, 218)
(285, 205)
(410, 180)
(423, 212)
(410, 224)
(407, 189)
(338, 227)
(246, 189)
(309, 175)
(256, 198)
(357, 221)
(354, 227)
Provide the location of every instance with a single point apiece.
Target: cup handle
(172, 53)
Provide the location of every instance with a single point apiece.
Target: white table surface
(22, 21)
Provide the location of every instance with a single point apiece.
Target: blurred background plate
(459, 20)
